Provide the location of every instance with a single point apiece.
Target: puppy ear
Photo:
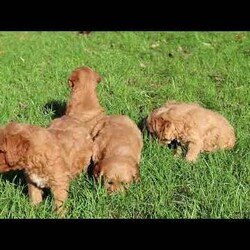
(98, 77)
(71, 81)
(74, 77)
(159, 123)
(16, 148)
(166, 123)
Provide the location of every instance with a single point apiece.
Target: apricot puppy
(117, 151)
(43, 156)
(202, 130)
(84, 104)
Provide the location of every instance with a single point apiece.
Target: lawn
(140, 71)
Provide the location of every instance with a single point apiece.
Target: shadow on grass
(90, 175)
(57, 107)
(90, 170)
(19, 180)
(92, 180)
(142, 125)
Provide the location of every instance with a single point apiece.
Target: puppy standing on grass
(82, 112)
(67, 138)
(192, 125)
(84, 104)
(117, 150)
(48, 159)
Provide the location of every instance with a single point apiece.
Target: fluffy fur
(117, 150)
(82, 112)
(84, 104)
(49, 159)
(116, 154)
(66, 139)
(192, 125)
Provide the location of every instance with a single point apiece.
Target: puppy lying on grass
(43, 156)
(117, 151)
(202, 130)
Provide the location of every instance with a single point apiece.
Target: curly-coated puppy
(82, 113)
(84, 104)
(202, 130)
(117, 151)
(43, 156)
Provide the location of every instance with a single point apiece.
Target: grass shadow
(142, 125)
(17, 178)
(93, 181)
(90, 170)
(57, 107)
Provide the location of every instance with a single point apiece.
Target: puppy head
(161, 126)
(116, 174)
(13, 147)
(82, 74)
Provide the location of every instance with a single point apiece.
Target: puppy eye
(110, 183)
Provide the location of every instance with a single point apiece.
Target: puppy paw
(60, 211)
(191, 158)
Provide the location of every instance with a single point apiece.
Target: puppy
(117, 150)
(84, 104)
(82, 112)
(43, 156)
(85, 107)
(192, 125)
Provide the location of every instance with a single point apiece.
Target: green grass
(140, 71)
